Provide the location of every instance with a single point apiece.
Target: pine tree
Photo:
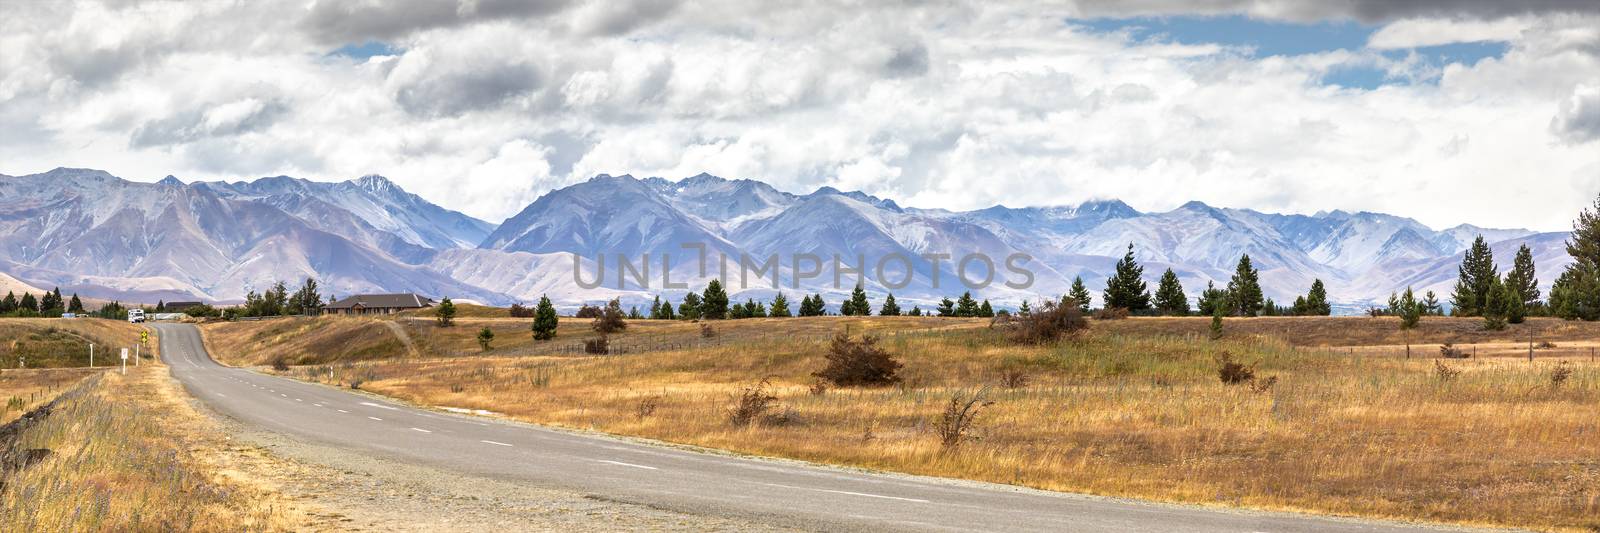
(690, 308)
(1410, 310)
(1216, 321)
(1563, 301)
(857, 305)
(655, 308)
(1430, 304)
(985, 311)
(758, 310)
(9, 304)
(307, 300)
(1213, 298)
(1080, 294)
(1516, 310)
(780, 306)
(1522, 279)
(1495, 306)
(1317, 300)
(446, 313)
(545, 320)
(1024, 310)
(1477, 274)
(1580, 283)
(1244, 289)
(50, 302)
(1170, 298)
(1300, 307)
(915, 311)
(75, 306)
(946, 307)
(1269, 308)
(633, 313)
(1126, 288)
(28, 305)
(485, 336)
(812, 305)
(714, 303)
(1394, 304)
(966, 307)
(890, 308)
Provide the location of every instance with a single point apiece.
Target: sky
(1464, 111)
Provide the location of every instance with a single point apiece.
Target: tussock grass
(116, 463)
(1120, 410)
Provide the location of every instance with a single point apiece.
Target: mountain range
(102, 236)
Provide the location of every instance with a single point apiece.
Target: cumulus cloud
(1412, 33)
(1578, 120)
(355, 21)
(1368, 11)
(957, 105)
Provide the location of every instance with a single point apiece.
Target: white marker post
(124, 361)
(91, 355)
(136, 355)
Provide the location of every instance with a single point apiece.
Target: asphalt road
(779, 492)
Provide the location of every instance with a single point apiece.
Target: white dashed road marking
(494, 443)
(630, 465)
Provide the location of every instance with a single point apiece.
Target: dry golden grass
(1364, 331)
(119, 459)
(23, 390)
(61, 342)
(1119, 411)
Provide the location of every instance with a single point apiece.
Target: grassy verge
(25, 390)
(59, 342)
(114, 454)
(1121, 411)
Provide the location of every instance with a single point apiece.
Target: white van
(135, 315)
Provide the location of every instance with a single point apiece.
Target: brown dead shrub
(1233, 372)
(858, 362)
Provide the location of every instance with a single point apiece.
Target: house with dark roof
(377, 304)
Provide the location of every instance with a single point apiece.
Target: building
(377, 304)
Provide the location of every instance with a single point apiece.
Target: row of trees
(1126, 289)
(47, 305)
(278, 301)
(1482, 291)
(712, 304)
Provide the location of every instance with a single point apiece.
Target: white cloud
(1413, 33)
(945, 105)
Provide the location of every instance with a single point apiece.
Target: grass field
(60, 342)
(1133, 408)
(116, 453)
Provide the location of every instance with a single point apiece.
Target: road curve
(780, 492)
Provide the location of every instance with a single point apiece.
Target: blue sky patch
(1274, 38)
(365, 50)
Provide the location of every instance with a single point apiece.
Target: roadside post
(91, 355)
(124, 361)
(136, 355)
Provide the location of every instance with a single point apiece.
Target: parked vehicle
(135, 315)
